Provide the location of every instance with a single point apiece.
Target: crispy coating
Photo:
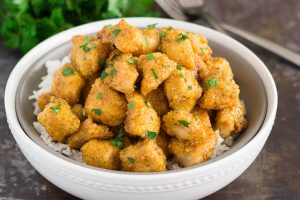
(180, 50)
(43, 100)
(140, 118)
(188, 154)
(122, 75)
(182, 89)
(162, 141)
(87, 61)
(87, 87)
(156, 67)
(105, 105)
(152, 40)
(200, 45)
(88, 130)
(67, 87)
(100, 153)
(158, 101)
(58, 119)
(77, 109)
(231, 120)
(145, 156)
(187, 126)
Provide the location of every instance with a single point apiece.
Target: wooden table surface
(275, 174)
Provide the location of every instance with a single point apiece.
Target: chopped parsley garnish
(132, 60)
(211, 83)
(154, 74)
(181, 75)
(68, 71)
(99, 95)
(190, 87)
(131, 160)
(149, 104)
(116, 32)
(147, 42)
(162, 34)
(184, 122)
(131, 105)
(113, 72)
(170, 28)
(114, 57)
(203, 50)
(107, 65)
(182, 37)
(56, 108)
(152, 26)
(103, 75)
(97, 111)
(85, 47)
(178, 67)
(118, 140)
(108, 26)
(151, 135)
(150, 56)
(102, 62)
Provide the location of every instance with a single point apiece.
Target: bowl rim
(260, 68)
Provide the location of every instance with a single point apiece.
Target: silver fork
(176, 10)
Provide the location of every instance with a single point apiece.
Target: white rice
(64, 149)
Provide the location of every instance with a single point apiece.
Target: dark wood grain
(275, 174)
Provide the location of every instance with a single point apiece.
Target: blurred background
(275, 174)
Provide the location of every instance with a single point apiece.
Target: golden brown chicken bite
(86, 54)
(88, 130)
(200, 45)
(158, 100)
(121, 74)
(101, 153)
(231, 120)
(58, 119)
(156, 67)
(182, 89)
(140, 118)
(105, 105)
(145, 156)
(152, 40)
(77, 109)
(162, 141)
(43, 100)
(67, 84)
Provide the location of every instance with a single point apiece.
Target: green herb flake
(182, 37)
(56, 108)
(203, 50)
(181, 75)
(162, 34)
(150, 56)
(68, 71)
(149, 104)
(114, 57)
(151, 135)
(86, 40)
(170, 28)
(118, 140)
(184, 122)
(103, 75)
(132, 60)
(116, 32)
(190, 87)
(108, 26)
(131, 105)
(97, 111)
(154, 74)
(211, 83)
(113, 72)
(178, 67)
(107, 65)
(85, 47)
(102, 62)
(99, 95)
(152, 26)
(131, 160)
(147, 42)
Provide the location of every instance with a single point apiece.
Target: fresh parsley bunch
(24, 23)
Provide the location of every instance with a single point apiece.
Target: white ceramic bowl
(258, 90)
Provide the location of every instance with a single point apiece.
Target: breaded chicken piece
(87, 87)
(231, 120)
(185, 125)
(162, 141)
(43, 100)
(140, 118)
(122, 74)
(200, 45)
(182, 89)
(67, 84)
(77, 109)
(178, 47)
(86, 54)
(105, 105)
(158, 100)
(58, 119)
(152, 40)
(145, 156)
(101, 153)
(156, 67)
(88, 130)
(188, 154)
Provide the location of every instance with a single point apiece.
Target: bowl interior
(252, 90)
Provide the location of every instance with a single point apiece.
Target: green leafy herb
(182, 37)
(203, 50)
(150, 56)
(131, 105)
(102, 62)
(107, 65)
(113, 72)
(114, 57)
(147, 42)
(132, 60)
(108, 26)
(85, 47)
(162, 34)
(99, 95)
(116, 32)
(103, 75)
(131, 160)
(151, 135)
(181, 75)
(149, 104)
(56, 108)
(184, 122)
(170, 28)
(211, 83)
(190, 87)
(178, 67)
(68, 71)
(97, 111)
(118, 140)
(154, 74)
(152, 26)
